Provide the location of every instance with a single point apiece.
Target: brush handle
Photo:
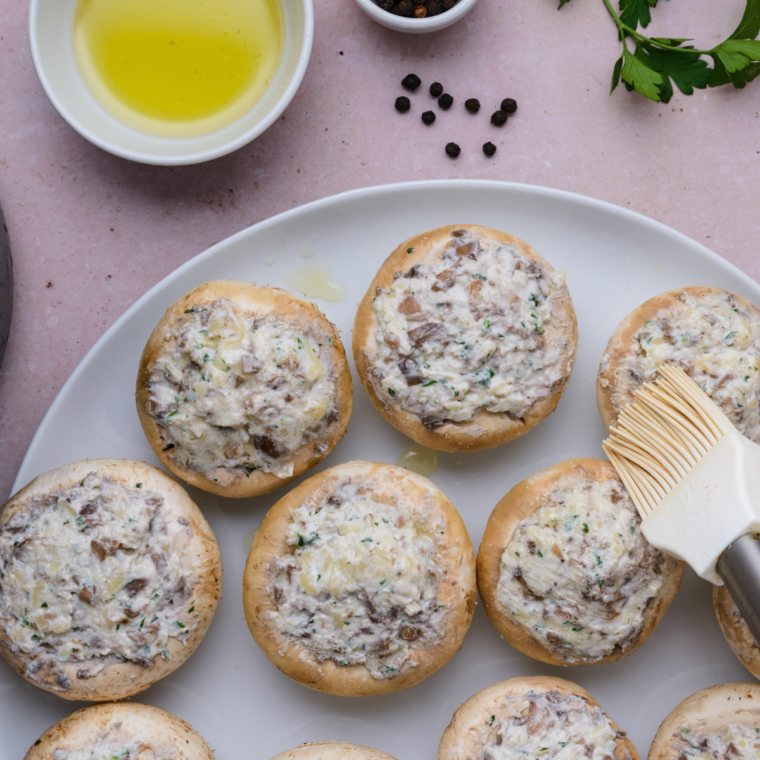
(711, 508)
(739, 567)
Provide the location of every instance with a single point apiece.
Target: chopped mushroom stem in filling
(715, 340)
(88, 576)
(242, 393)
(551, 725)
(361, 584)
(578, 573)
(111, 745)
(469, 332)
(735, 742)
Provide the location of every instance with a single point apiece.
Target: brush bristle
(659, 438)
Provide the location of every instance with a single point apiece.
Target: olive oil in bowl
(178, 68)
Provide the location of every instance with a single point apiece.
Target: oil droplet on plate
(248, 541)
(269, 260)
(420, 459)
(313, 280)
(306, 250)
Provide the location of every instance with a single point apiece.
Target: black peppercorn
(489, 149)
(411, 82)
(417, 8)
(436, 89)
(498, 118)
(428, 117)
(445, 101)
(453, 150)
(472, 105)
(403, 104)
(508, 105)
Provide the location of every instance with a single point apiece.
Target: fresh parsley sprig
(651, 65)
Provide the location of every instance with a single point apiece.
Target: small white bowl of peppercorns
(416, 16)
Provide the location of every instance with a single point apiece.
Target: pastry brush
(695, 481)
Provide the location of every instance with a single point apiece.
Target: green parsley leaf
(687, 70)
(656, 63)
(749, 26)
(616, 74)
(738, 79)
(637, 74)
(736, 55)
(635, 12)
(484, 375)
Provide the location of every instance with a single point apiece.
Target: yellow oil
(178, 68)
(419, 459)
(314, 281)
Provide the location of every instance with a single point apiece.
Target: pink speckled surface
(91, 232)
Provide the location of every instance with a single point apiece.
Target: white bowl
(50, 39)
(416, 25)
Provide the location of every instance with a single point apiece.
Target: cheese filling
(88, 575)
(473, 330)
(241, 393)
(112, 744)
(361, 584)
(551, 725)
(716, 341)
(578, 573)
(736, 742)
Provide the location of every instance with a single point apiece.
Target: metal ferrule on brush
(694, 478)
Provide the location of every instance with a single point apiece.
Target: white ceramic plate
(245, 708)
